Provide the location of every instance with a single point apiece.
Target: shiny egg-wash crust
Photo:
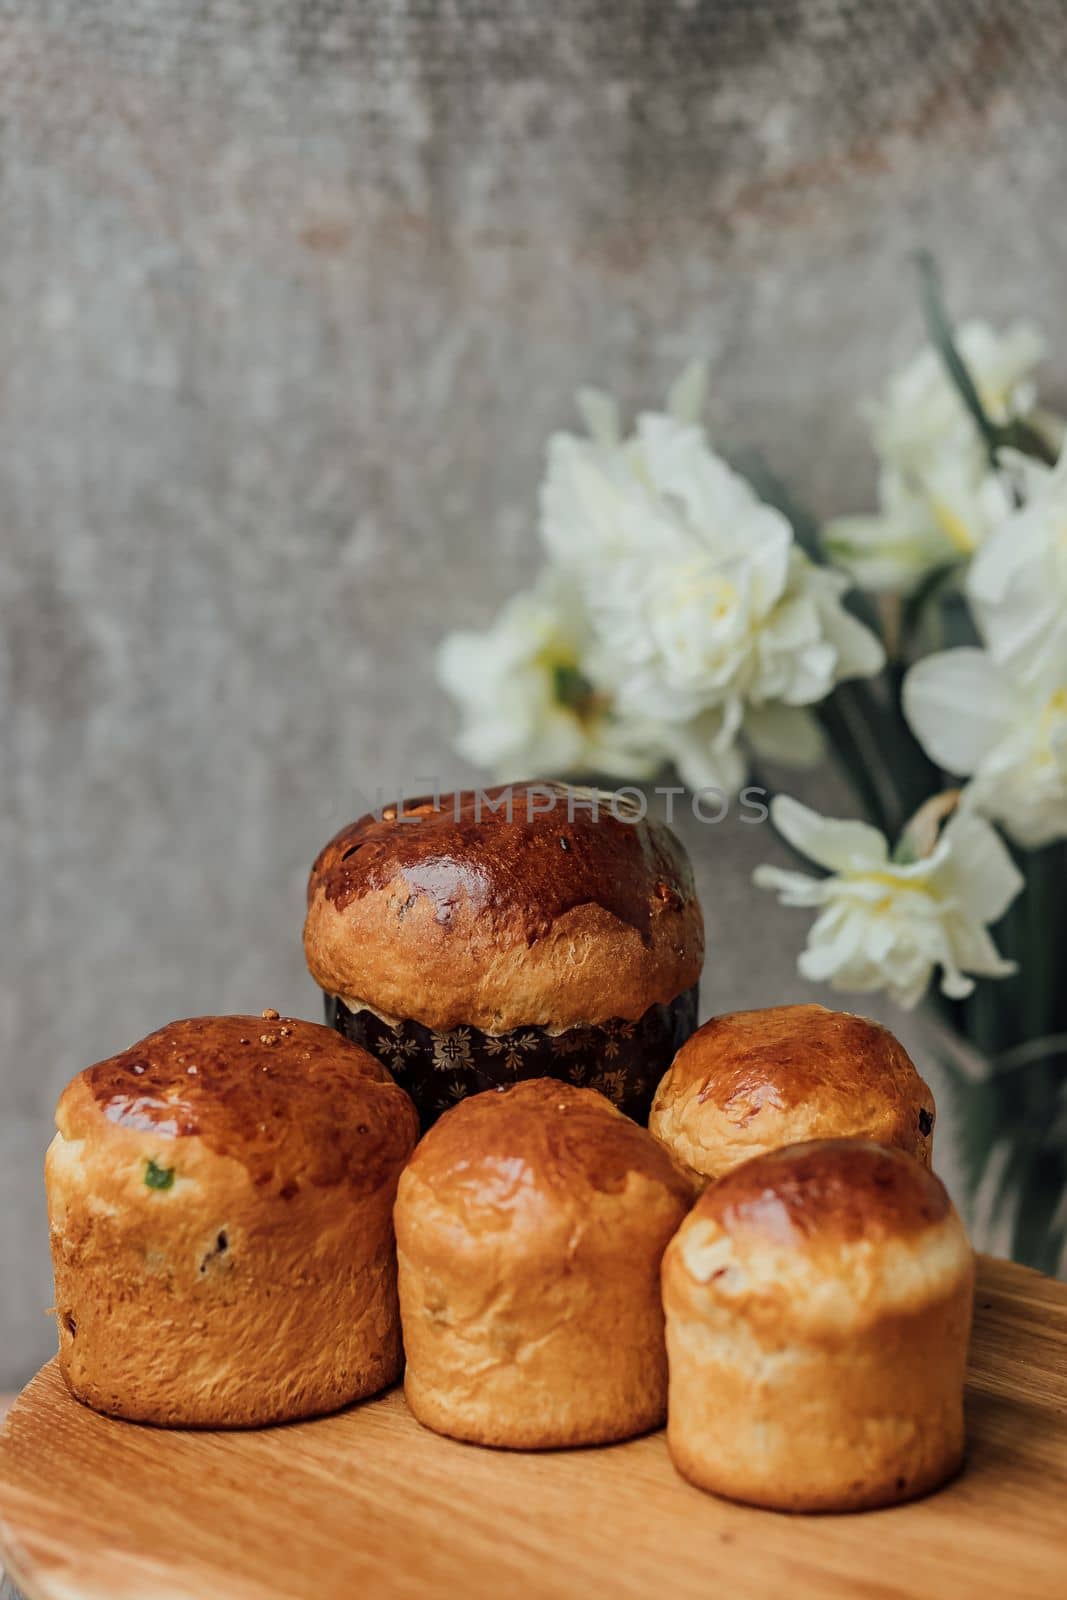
(220, 1202)
(622, 1060)
(461, 916)
(530, 1227)
(818, 1303)
(752, 1081)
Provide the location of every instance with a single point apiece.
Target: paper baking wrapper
(624, 1060)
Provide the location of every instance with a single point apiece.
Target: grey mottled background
(290, 296)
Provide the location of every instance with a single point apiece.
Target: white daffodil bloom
(998, 715)
(886, 924)
(1017, 585)
(527, 707)
(1005, 730)
(914, 533)
(939, 498)
(923, 415)
(581, 523)
(707, 618)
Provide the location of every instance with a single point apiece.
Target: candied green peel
(157, 1177)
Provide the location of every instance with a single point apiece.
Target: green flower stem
(845, 732)
(923, 609)
(880, 756)
(939, 329)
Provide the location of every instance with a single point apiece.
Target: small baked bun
(753, 1081)
(818, 1304)
(519, 932)
(220, 1199)
(530, 1227)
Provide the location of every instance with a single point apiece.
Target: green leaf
(1022, 436)
(929, 590)
(157, 1177)
(941, 337)
(840, 726)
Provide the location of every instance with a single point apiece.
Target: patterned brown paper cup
(623, 1060)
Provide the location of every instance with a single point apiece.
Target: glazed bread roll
(220, 1199)
(517, 932)
(753, 1081)
(530, 1227)
(818, 1304)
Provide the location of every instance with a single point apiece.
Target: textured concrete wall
(291, 296)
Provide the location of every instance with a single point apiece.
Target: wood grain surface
(369, 1504)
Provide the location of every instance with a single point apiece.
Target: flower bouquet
(690, 616)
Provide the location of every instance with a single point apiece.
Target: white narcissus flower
(887, 924)
(707, 618)
(998, 715)
(939, 498)
(1017, 585)
(1008, 735)
(923, 410)
(527, 707)
(911, 535)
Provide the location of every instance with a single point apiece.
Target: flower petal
(600, 413)
(793, 888)
(841, 846)
(983, 876)
(687, 395)
(860, 653)
(705, 753)
(958, 707)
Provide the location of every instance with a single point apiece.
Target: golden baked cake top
(506, 1154)
(464, 914)
(291, 1101)
(822, 1237)
(828, 1190)
(751, 1080)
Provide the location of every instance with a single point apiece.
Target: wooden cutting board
(367, 1505)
